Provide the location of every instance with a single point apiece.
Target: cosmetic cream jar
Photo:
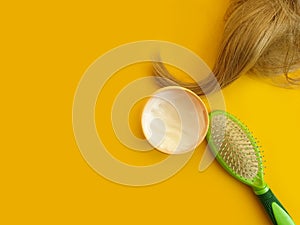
(174, 120)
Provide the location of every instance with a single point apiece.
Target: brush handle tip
(275, 209)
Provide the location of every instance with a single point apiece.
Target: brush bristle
(236, 147)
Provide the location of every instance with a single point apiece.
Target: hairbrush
(237, 151)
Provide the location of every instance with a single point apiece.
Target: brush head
(235, 148)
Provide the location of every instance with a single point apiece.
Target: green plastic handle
(276, 211)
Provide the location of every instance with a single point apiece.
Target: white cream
(175, 120)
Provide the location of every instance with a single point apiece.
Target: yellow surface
(45, 49)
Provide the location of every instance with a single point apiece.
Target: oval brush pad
(237, 151)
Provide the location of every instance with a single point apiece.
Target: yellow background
(45, 49)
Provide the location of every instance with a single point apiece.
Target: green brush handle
(276, 211)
